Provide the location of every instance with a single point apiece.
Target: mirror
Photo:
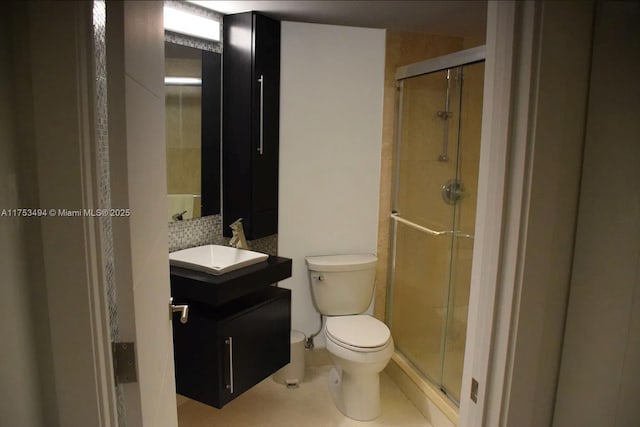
(192, 101)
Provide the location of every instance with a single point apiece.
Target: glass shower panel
(427, 153)
(426, 119)
(464, 225)
(420, 297)
(437, 158)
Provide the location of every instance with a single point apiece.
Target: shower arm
(394, 215)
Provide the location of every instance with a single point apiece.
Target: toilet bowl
(360, 345)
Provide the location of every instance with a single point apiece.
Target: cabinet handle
(261, 147)
(229, 342)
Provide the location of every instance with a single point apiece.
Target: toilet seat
(360, 333)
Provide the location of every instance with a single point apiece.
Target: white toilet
(360, 345)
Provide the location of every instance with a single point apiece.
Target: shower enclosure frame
(456, 59)
(445, 62)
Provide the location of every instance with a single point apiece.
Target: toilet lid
(358, 331)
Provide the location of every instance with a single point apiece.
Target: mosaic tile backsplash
(208, 230)
(195, 42)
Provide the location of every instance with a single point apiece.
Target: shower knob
(452, 191)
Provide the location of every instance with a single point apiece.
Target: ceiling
(454, 18)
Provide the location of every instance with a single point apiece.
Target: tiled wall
(104, 190)
(195, 42)
(208, 230)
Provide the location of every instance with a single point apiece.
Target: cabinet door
(265, 125)
(237, 99)
(256, 344)
(196, 349)
(223, 351)
(251, 120)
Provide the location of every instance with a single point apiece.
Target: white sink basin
(215, 259)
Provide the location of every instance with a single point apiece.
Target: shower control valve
(452, 191)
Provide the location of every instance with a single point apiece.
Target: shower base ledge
(430, 401)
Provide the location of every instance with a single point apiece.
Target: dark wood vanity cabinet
(223, 351)
(250, 122)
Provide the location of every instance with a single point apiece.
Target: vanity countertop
(217, 290)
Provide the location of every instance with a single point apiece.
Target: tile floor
(270, 404)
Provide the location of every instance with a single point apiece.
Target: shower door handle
(415, 226)
(395, 217)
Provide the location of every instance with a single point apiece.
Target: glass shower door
(464, 223)
(422, 259)
(433, 224)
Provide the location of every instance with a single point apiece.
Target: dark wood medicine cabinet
(251, 118)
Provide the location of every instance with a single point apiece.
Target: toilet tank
(342, 284)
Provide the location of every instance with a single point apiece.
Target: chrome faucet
(178, 216)
(237, 239)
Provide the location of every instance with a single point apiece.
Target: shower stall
(439, 114)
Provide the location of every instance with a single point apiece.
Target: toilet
(360, 345)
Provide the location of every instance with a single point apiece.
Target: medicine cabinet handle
(229, 342)
(261, 147)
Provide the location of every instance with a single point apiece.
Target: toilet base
(357, 397)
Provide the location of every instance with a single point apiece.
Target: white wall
(19, 374)
(135, 52)
(556, 139)
(55, 147)
(513, 348)
(330, 143)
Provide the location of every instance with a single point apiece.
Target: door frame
(490, 216)
(62, 71)
(524, 232)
